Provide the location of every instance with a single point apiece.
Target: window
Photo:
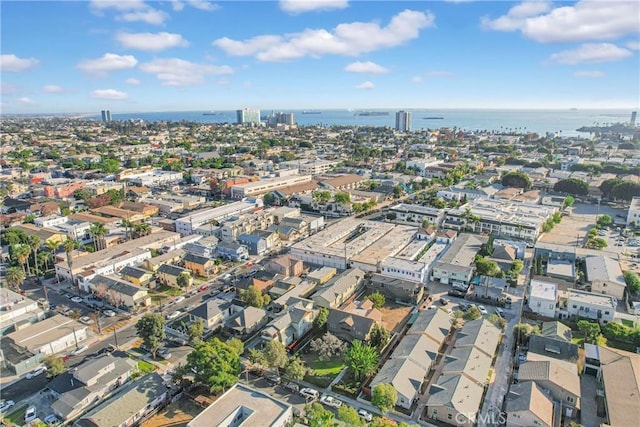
(570, 399)
(449, 416)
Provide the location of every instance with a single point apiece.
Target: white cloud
(416, 79)
(178, 72)
(585, 20)
(177, 5)
(439, 73)
(346, 39)
(130, 11)
(633, 45)
(52, 89)
(588, 74)
(203, 5)
(152, 42)
(9, 88)
(590, 53)
(302, 6)
(365, 85)
(366, 67)
(111, 94)
(109, 62)
(26, 101)
(10, 62)
(132, 81)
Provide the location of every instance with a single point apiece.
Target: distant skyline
(137, 56)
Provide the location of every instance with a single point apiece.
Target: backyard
(321, 372)
(393, 316)
(177, 414)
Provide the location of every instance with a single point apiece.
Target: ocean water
(562, 122)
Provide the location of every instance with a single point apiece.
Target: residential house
(454, 400)
(528, 405)
(479, 333)
(604, 275)
(407, 291)
(543, 297)
(546, 348)
(589, 305)
(168, 274)
(321, 275)
(244, 323)
(404, 269)
(556, 330)
(76, 390)
(199, 265)
(293, 323)
(233, 251)
(244, 406)
(213, 312)
(46, 236)
(456, 265)
(285, 265)
(490, 289)
(354, 322)
(468, 361)
(17, 311)
(339, 289)
(120, 293)
(130, 406)
(173, 257)
(256, 244)
(137, 276)
(563, 384)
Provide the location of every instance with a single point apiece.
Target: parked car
(30, 414)
(79, 350)
(309, 393)
(292, 386)
(500, 312)
(443, 301)
(330, 401)
(51, 420)
(68, 295)
(174, 315)
(36, 372)
(76, 299)
(273, 379)
(367, 416)
(108, 349)
(164, 353)
(109, 313)
(482, 310)
(203, 288)
(6, 404)
(86, 320)
(179, 299)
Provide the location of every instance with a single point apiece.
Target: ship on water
(311, 112)
(210, 113)
(434, 118)
(372, 113)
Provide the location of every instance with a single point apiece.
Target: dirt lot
(393, 315)
(177, 414)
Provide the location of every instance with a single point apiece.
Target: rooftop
(591, 298)
(543, 290)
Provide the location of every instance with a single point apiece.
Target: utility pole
(115, 336)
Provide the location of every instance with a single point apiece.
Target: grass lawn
(626, 322)
(145, 367)
(326, 368)
(17, 416)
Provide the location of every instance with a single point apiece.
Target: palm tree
(15, 277)
(44, 258)
(35, 243)
(69, 246)
(20, 253)
(98, 230)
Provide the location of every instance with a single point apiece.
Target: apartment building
(589, 305)
(246, 224)
(194, 220)
(456, 265)
(404, 269)
(240, 191)
(416, 214)
(543, 297)
(633, 214)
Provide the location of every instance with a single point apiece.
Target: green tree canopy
(632, 281)
(318, 416)
(361, 358)
(254, 297)
(590, 330)
(349, 415)
(214, 364)
(517, 266)
(342, 198)
(379, 337)
(605, 220)
(472, 313)
(377, 299)
(384, 397)
(486, 267)
(55, 366)
(295, 369)
(320, 322)
(195, 330)
(150, 328)
(517, 179)
(573, 186)
(275, 354)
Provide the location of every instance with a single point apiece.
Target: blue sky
(135, 56)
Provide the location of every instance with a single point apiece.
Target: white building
(248, 116)
(50, 221)
(311, 167)
(588, 305)
(189, 223)
(154, 178)
(456, 265)
(50, 336)
(605, 276)
(246, 224)
(416, 214)
(423, 164)
(633, 215)
(404, 269)
(543, 297)
(403, 121)
(240, 191)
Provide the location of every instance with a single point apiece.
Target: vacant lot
(177, 414)
(393, 315)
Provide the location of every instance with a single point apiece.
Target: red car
(203, 288)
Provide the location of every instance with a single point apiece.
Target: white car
(482, 310)
(80, 350)
(330, 401)
(36, 372)
(51, 420)
(109, 313)
(174, 315)
(6, 404)
(86, 320)
(76, 299)
(367, 416)
(179, 300)
(30, 415)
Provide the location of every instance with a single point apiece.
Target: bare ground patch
(393, 316)
(177, 414)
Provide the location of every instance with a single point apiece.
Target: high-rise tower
(106, 116)
(248, 115)
(403, 121)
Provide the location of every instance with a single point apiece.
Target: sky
(183, 55)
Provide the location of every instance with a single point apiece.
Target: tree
(573, 186)
(522, 332)
(195, 331)
(328, 346)
(150, 328)
(275, 355)
(69, 246)
(517, 266)
(497, 320)
(20, 253)
(472, 313)
(257, 357)
(183, 279)
(269, 199)
(295, 369)
(632, 281)
(236, 344)
(516, 179)
(214, 364)
(385, 422)
(320, 322)
(342, 198)
(35, 243)
(377, 299)
(318, 416)
(349, 416)
(254, 297)
(55, 366)
(384, 397)
(362, 359)
(625, 191)
(15, 276)
(569, 201)
(486, 267)
(98, 230)
(604, 221)
(590, 330)
(379, 337)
